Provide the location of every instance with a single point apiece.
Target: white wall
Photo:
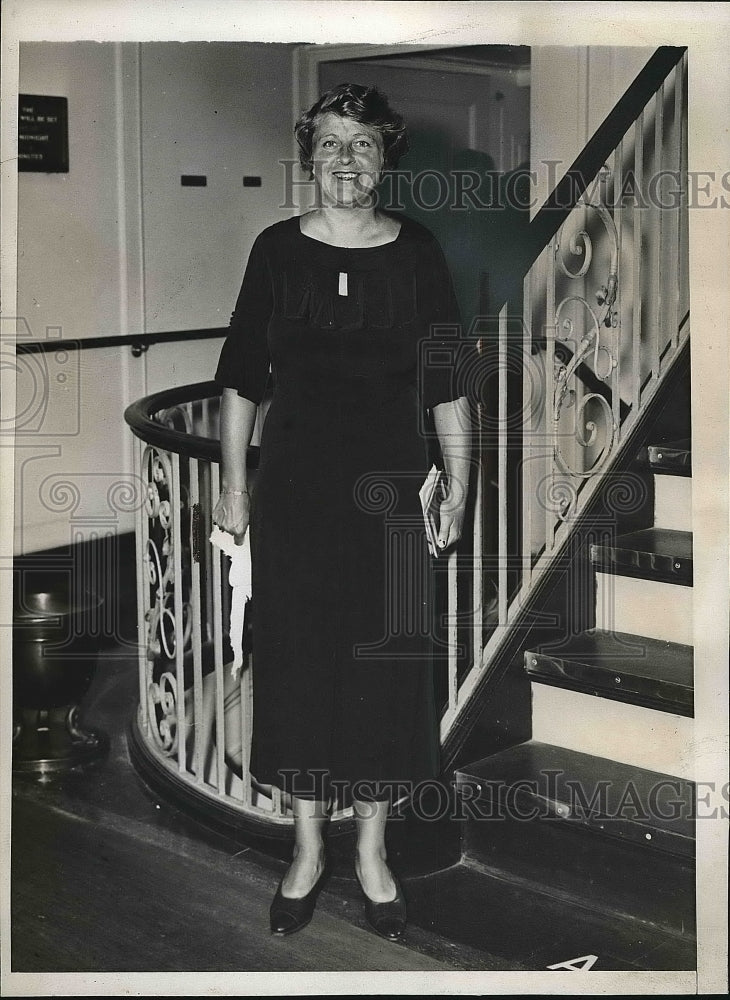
(69, 228)
(223, 110)
(71, 444)
(572, 89)
(118, 247)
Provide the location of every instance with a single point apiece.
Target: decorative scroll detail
(163, 711)
(577, 250)
(590, 346)
(161, 627)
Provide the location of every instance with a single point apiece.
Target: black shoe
(288, 915)
(387, 919)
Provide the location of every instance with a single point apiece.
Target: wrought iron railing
(194, 715)
(598, 316)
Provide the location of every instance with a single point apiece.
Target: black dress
(342, 637)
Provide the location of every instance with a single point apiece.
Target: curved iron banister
(140, 417)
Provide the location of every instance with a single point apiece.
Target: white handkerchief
(239, 577)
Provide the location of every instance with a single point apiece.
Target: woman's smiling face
(347, 160)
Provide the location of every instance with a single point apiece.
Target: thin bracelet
(235, 493)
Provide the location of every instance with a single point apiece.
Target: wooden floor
(90, 898)
(107, 877)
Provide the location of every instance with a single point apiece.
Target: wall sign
(43, 133)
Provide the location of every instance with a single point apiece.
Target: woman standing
(353, 309)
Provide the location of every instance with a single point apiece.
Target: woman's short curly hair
(366, 105)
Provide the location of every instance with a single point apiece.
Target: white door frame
(308, 57)
(305, 69)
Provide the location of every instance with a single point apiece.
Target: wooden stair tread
(610, 875)
(651, 553)
(596, 793)
(620, 665)
(674, 457)
(519, 922)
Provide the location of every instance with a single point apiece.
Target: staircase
(567, 689)
(597, 809)
(626, 686)
(589, 817)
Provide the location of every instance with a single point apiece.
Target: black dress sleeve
(441, 368)
(244, 359)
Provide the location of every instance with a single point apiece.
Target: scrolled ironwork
(590, 346)
(162, 493)
(577, 250)
(588, 440)
(162, 707)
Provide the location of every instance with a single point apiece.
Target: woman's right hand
(232, 513)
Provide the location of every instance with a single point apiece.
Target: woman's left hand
(451, 515)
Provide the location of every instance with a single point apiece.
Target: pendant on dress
(342, 286)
